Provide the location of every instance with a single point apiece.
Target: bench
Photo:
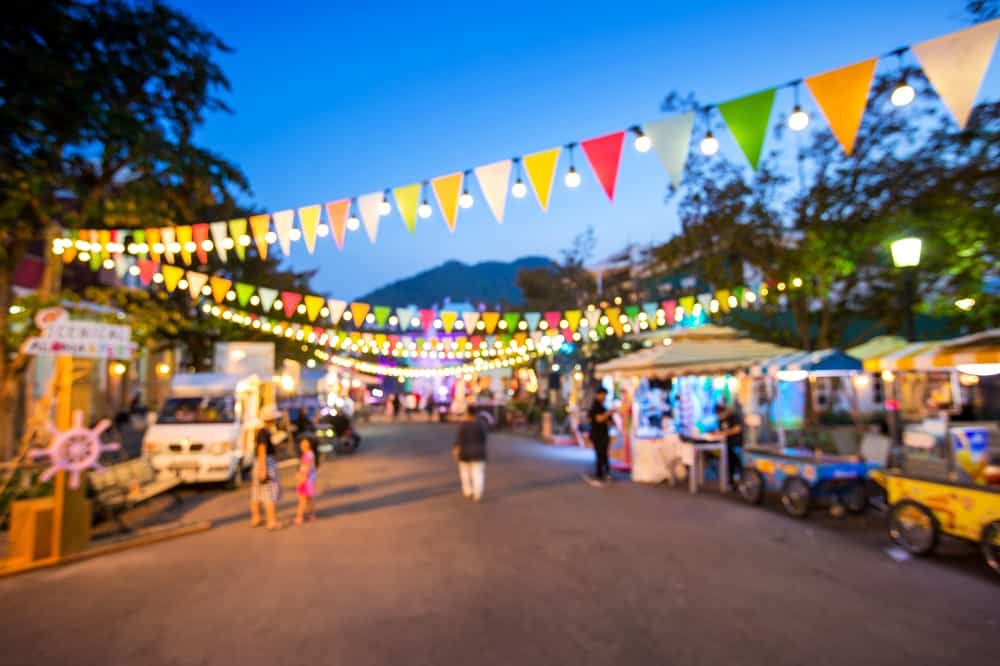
(124, 485)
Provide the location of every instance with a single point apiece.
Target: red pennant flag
(147, 269)
(336, 213)
(427, 319)
(668, 311)
(476, 340)
(199, 234)
(604, 154)
(290, 300)
(553, 318)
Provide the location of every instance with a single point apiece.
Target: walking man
(599, 417)
(470, 453)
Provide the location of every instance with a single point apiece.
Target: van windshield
(201, 409)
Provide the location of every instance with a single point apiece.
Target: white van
(205, 429)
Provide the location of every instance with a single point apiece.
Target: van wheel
(991, 545)
(855, 499)
(796, 497)
(913, 527)
(751, 486)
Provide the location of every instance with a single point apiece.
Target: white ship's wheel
(74, 450)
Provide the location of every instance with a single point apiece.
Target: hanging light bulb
(799, 119)
(903, 94)
(709, 145)
(384, 207)
(572, 178)
(519, 189)
(322, 230)
(353, 223)
(466, 200)
(424, 210)
(642, 142)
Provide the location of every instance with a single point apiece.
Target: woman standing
(470, 452)
(265, 488)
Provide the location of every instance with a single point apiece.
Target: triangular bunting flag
(336, 215)
(748, 118)
(687, 305)
(237, 230)
(493, 182)
(669, 310)
(259, 227)
(243, 293)
(336, 309)
(520, 337)
(219, 237)
(168, 238)
(267, 298)
(541, 170)
(121, 265)
(196, 281)
(552, 318)
(427, 318)
(381, 314)
(407, 200)
(147, 268)
(490, 320)
(511, 319)
(153, 239)
(283, 222)
(313, 306)
(220, 288)
(199, 234)
(358, 313)
(671, 139)
(955, 65)
(573, 319)
(469, 320)
(532, 319)
(368, 208)
(842, 96)
(308, 220)
(171, 276)
(448, 318)
(185, 239)
(593, 318)
(290, 302)
(604, 154)
(446, 191)
(405, 317)
(632, 312)
(723, 297)
(614, 319)
(650, 310)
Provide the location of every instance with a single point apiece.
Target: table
(653, 458)
(692, 454)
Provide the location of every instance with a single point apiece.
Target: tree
(565, 283)
(101, 100)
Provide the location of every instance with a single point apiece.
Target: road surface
(400, 569)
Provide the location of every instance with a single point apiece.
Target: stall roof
(981, 347)
(878, 346)
(823, 362)
(707, 349)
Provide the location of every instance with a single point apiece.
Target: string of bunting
(955, 65)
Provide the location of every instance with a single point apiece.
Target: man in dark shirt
(731, 426)
(599, 417)
(469, 452)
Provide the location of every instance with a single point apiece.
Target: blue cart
(804, 479)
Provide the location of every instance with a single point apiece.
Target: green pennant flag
(511, 318)
(381, 314)
(243, 293)
(748, 118)
(631, 311)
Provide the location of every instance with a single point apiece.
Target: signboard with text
(80, 339)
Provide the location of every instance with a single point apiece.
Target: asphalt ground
(400, 569)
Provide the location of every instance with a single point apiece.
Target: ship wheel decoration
(74, 450)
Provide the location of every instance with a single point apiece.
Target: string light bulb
(466, 200)
(424, 210)
(384, 206)
(903, 94)
(799, 119)
(519, 189)
(642, 142)
(353, 223)
(709, 145)
(572, 177)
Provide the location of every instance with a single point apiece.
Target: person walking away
(305, 482)
(265, 488)
(470, 453)
(599, 417)
(731, 427)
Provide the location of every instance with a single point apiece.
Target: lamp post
(906, 257)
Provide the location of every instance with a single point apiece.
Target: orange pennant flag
(490, 319)
(336, 215)
(446, 191)
(358, 313)
(153, 240)
(220, 288)
(171, 276)
(259, 226)
(842, 96)
(614, 319)
(308, 220)
(541, 170)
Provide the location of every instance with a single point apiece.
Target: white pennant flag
(195, 282)
(493, 181)
(220, 232)
(405, 315)
(267, 297)
(593, 318)
(368, 208)
(336, 309)
(167, 238)
(284, 220)
(671, 139)
(469, 319)
(955, 65)
(122, 263)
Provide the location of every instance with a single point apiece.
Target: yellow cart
(923, 509)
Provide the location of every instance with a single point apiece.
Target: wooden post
(71, 510)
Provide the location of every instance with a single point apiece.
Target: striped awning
(826, 361)
(941, 354)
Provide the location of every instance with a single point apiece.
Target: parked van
(205, 429)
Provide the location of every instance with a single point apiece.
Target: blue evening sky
(339, 99)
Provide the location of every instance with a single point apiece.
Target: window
(201, 409)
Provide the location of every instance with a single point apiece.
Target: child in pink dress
(306, 482)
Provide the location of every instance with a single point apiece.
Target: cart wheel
(991, 545)
(855, 499)
(914, 527)
(751, 486)
(796, 496)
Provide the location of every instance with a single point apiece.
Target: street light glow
(906, 252)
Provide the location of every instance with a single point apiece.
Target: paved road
(401, 570)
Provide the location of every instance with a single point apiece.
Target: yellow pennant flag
(614, 319)
(153, 240)
(237, 231)
(259, 226)
(309, 220)
(447, 190)
(407, 200)
(184, 238)
(448, 319)
(313, 306)
(687, 304)
(171, 276)
(842, 96)
(541, 170)
(490, 320)
(573, 319)
(104, 237)
(358, 312)
(723, 297)
(220, 288)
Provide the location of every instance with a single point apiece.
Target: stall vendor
(731, 429)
